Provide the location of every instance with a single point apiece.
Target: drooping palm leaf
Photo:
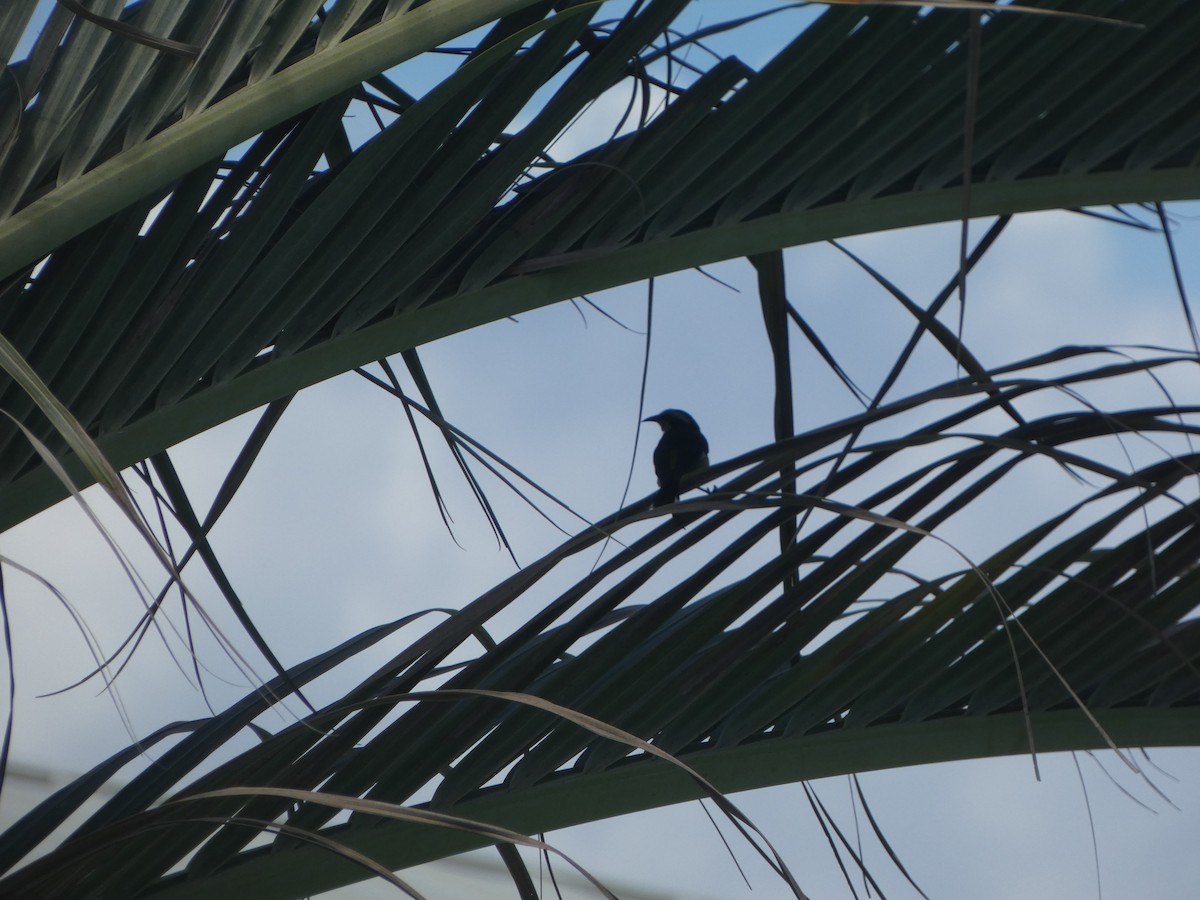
(854, 126)
(215, 281)
(733, 663)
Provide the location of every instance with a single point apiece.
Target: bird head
(673, 418)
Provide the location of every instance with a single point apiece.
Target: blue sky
(336, 531)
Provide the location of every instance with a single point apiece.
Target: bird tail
(664, 496)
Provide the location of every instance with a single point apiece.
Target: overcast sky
(336, 531)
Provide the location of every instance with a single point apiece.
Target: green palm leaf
(188, 237)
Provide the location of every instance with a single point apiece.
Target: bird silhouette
(681, 450)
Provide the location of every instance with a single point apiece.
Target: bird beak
(650, 419)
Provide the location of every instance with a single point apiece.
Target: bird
(681, 450)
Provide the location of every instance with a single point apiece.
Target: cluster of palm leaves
(155, 281)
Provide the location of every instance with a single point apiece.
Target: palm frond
(187, 237)
(854, 126)
(732, 660)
